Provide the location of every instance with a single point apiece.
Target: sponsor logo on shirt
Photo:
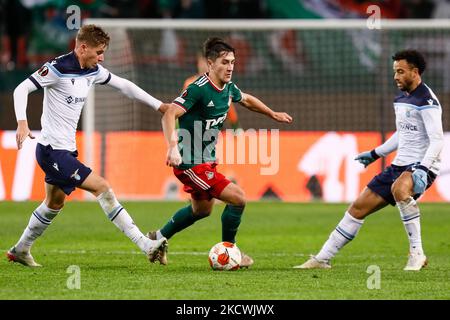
(214, 122)
(407, 126)
(71, 99)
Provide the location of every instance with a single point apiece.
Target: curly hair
(413, 57)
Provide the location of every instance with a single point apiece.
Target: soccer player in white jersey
(418, 140)
(66, 81)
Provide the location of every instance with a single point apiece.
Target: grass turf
(277, 235)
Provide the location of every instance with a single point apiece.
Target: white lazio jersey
(66, 87)
(419, 128)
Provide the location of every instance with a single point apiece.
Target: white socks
(410, 214)
(345, 231)
(120, 217)
(159, 235)
(39, 221)
(349, 226)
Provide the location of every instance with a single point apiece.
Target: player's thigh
(54, 197)
(202, 208)
(366, 203)
(402, 188)
(233, 194)
(95, 184)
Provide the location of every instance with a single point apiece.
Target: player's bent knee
(399, 191)
(104, 186)
(101, 186)
(239, 200)
(202, 213)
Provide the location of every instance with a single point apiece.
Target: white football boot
(158, 251)
(246, 261)
(416, 261)
(162, 252)
(24, 258)
(314, 263)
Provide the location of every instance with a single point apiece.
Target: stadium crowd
(33, 30)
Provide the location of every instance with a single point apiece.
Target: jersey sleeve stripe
(428, 107)
(35, 82)
(56, 71)
(201, 81)
(179, 105)
(107, 80)
(401, 104)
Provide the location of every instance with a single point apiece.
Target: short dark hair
(413, 57)
(213, 47)
(93, 35)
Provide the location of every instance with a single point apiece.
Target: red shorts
(202, 181)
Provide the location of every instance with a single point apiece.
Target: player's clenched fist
(173, 157)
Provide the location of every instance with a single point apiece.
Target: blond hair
(92, 35)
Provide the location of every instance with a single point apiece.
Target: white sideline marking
(197, 253)
(120, 252)
(181, 253)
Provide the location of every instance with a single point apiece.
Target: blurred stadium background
(334, 78)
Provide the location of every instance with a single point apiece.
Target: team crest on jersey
(72, 80)
(209, 174)
(43, 71)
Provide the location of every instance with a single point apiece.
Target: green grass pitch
(277, 235)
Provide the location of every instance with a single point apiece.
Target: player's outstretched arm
(168, 121)
(367, 157)
(132, 91)
(254, 104)
(20, 97)
(390, 145)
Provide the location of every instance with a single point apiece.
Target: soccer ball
(224, 256)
